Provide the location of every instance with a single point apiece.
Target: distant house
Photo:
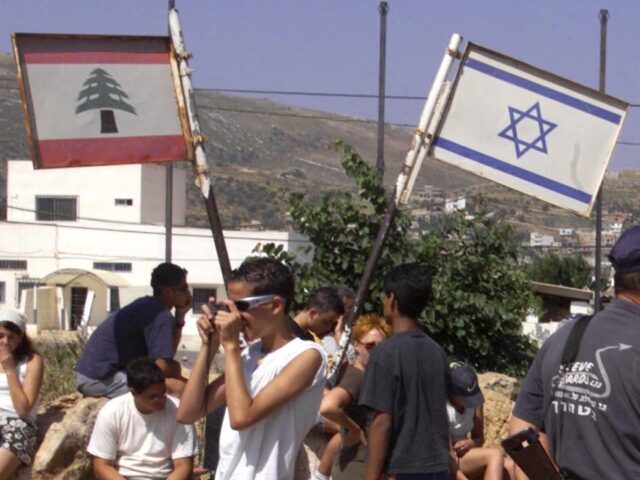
(540, 240)
(454, 204)
(428, 193)
(558, 303)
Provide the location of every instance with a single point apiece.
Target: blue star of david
(522, 146)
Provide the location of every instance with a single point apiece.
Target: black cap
(625, 254)
(464, 385)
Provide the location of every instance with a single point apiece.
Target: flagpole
(402, 190)
(200, 165)
(384, 9)
(604, 17)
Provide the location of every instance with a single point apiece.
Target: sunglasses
(248, 303)
(369, 345)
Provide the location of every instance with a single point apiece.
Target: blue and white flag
(528, 129)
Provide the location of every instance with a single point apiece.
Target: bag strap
(569, 354)
(572, 345)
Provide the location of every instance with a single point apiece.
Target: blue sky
(332, 45)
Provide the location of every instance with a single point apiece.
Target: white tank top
(6, 404)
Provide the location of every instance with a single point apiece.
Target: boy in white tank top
(272, 388)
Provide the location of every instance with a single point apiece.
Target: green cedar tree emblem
(102, 92)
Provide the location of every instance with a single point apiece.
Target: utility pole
(168, 210)
(168, 191)
(383, 8)
(604, 17)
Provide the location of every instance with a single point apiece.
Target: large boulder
(64, 428)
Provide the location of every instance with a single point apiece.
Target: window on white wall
(201, 295)
(124, 202)
(112, 266)
(56, 207)
(114, 299)
(10, 264)
(3, 294)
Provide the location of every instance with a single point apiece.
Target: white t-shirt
(459, 423)
(141, 445)
(6, 404)
(268, 449)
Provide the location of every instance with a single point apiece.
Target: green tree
(570, 271)
(481, 294)
(102, 92)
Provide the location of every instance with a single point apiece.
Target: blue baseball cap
(625, 254)
(464, 385)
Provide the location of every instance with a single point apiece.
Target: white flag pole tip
(421, 140)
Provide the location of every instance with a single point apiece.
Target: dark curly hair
(267, 277)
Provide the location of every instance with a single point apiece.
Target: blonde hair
(365, 323)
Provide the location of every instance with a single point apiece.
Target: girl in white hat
(21, 370)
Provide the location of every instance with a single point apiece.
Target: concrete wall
(97, 189)
(152, 187)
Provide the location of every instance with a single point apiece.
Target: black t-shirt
(592, 413)
(408, 377)
(299, 332)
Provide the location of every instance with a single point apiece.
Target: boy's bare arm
(182, 469)
(192, 406)
(516, 425)
(245, 411)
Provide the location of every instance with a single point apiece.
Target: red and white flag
(94, 100)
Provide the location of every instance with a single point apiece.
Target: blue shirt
(144, 328)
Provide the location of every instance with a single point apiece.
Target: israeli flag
(528, 129)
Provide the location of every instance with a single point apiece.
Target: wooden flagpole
(401, 193)
(200, 163)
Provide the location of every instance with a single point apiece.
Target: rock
(497, 382)
(64, 428)
(498, 391)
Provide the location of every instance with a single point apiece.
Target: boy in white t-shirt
(137, 436)
(272, 388)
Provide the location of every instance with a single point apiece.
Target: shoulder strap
(569, 354)
(572, 345)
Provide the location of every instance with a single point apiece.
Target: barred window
(201, 295)
(50, 208)
(114, 299)
(112, 266)
(7, 264)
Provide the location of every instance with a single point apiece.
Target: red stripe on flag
(83, 152)
(97, 57)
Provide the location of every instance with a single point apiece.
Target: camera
(214, 308)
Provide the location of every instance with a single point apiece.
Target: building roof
(562, 291)
(67, 275)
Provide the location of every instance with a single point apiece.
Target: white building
(455, 204)
(540, 240)
(98, 232)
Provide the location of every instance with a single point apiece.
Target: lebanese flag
(93, 100)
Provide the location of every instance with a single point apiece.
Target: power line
(299, 115)
(316, 94)
(71, 225)
(333, 119)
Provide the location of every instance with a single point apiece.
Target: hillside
(258, 150)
